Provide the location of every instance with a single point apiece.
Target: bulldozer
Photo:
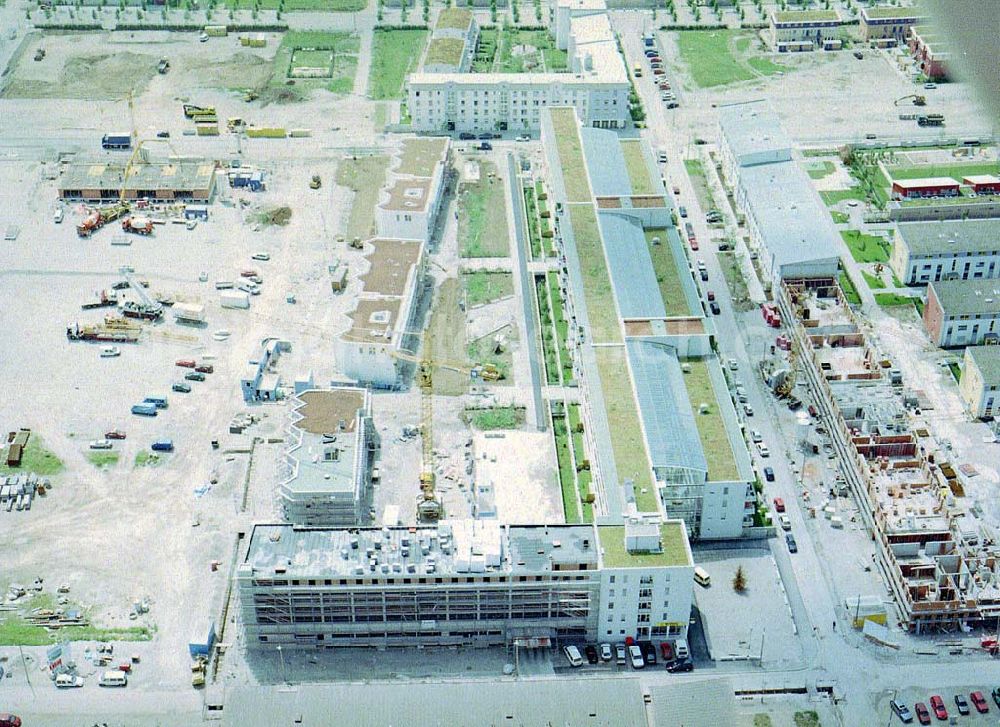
(315, 182)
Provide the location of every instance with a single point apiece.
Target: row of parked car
(923, 714)
(638, 655)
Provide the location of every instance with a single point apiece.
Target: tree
(739, 580)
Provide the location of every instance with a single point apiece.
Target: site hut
(803, 30)
(463, 582)
(326, 466)
(962, 312)
(980, 382)
(653, 396)
(788, 225)
(888, 23)
(922, 188)
(929, 51)
(103, 181)
(597, 86)
(923, 252)
(260, 381)
(985, 184)
(453, 42)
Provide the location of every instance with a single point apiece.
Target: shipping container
(146, 410)
(163, 445)
(117, 140)
(202, 638)
(234, 299)
(268, 132)
(216, 31)
(189, 312)
(299, 133)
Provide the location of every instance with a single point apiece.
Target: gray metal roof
(671, 431)
(751, 129)
(631, 267)
(577, 702)
(968, 297)
(605, 163)
(795, 227)
(987, 360)
(951, 237)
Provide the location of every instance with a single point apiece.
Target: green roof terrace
(711, 426)
(675, 550)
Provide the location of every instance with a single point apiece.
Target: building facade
(979, 386)
(888, 22)
(924, 252)
(463, 582)
(923, 188)
(962, 312)
(802, 30)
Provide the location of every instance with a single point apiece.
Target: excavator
(917, 100)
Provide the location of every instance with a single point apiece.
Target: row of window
(499, 579)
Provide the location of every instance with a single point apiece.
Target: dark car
(591, 653)
(163, 134)
(962, 704)
(901, 711)
(466, 136)
(486, 136)
(485, 146)
(714, 307)
(114, 434)
(682, 211)
(679, 665)
(769, 474)
(859, 55)
(937, 704)
(9, 720)
(979, 702)
(793, 547)
(205, 368)
(996, 696)
(182, 387)
(195, 376)
(923, 716)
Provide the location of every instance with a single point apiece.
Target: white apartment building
(803, 30)
(464, 582)
(597, 87)
(925, 252)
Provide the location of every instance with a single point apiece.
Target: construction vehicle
(249, 95)
(931, 120)
(163, 66)
(138, 225)
(190, 110)
(235, 124)
(99, 217)
(117, 141)
(918, 100)
(146, 308)
(315, 182)
(39, 54)
(198, 669)
(76, 332)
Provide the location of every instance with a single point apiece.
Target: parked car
(110, 352)
(68, 681)
(648, 653)
(635, 657)
(9, 720)
(769, 474)
(486, 136)
(205, 368)
(937, 705)
(779, 504)
(672, 105)
(485, 146)
(979, 702)
(261, 256)
(620, 657)
(923, 716)
(101, 444)
(182, 387)
(710, 294)
(466, 136)
(187, 363)
(755, 436)
(162, 445)
(764, 451)
(114, 434)
(859, 55)
(996, 696)
(162, 134)
(522, 137)
(682, 211)
(748, 410)
(195, 376)
(930, 85)
(714, 307)
(785, 522)
(793, 547)
(666, 651)
(605, 652)
(591, 653)
(573, 655)
(901, 711)
(680, 665)
(961, 704)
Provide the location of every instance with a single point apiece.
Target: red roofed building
(929, 187)
(983, 183)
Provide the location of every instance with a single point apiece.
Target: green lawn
(888, 300)
(840, 218)
(627, 442)
(313, 49)
(667, 274)
(696, 172)
(483, 287)
(709, 59)
(818, 170)
(394, 54)
(955, 171)
(806, 719)
(638, 170)
(850, 292)
(550, 357)
(337, 6)
(483, 351)
(735, 281)
(543, 56)
(531, 212)
(601, 310)
(583, 476)
(102, 459)
(567, 483)
(35, 458)
(574, 171)
(312, 58)
(561, 326)
(835, 196)
(866, 248)
(874, 282)
(363, 175)
(674, 550)
(482, 216)
(145, 458)
(496, 417)
(486, 50)
(711, 427)
(445, 50)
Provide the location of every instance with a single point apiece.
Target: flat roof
(605, 161)
(804, 16)
(373, 321)
(454, 547)
(987, 360)
(925, 182)
(572, 165)
(673, 541)
(981, 179)
(186, 175)
(583, 4)
(420, 155)
(454, 19)
(447, 51)
(751, 129)
(631, 267)
(950, 237)
(885, 13)
(712, 430)
(968, 297)
(408, 194)
(390, 263)
(323, 410)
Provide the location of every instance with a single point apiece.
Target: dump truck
(930, 120)
(216, 31)
(266, 132)
(97, 218)
(163, 66)
(117, 140)
(191, 110)
(206, 128)
(138, 225)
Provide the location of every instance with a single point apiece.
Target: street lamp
(282, 657)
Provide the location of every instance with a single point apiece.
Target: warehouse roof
(968, 297)
(950, 237)
(987, 360)
(752, 129)
(180, 175)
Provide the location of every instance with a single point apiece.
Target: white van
(661, 155)
(702, 578)
(681, 649)
(57, 215)
(573, 655)
(114, 679)
(635, 656)
(68, 681)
